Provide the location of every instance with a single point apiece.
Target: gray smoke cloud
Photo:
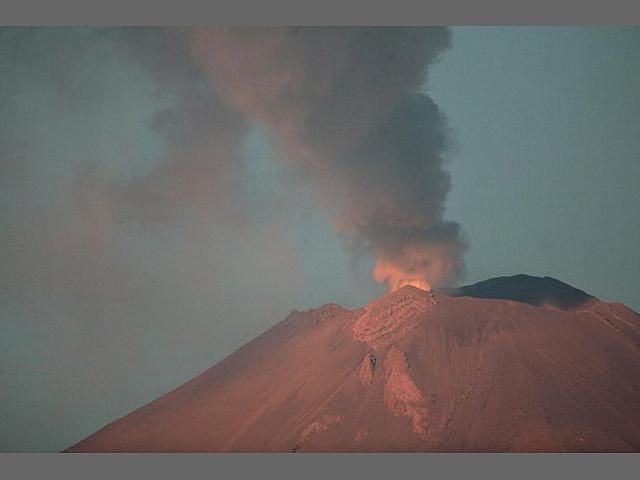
(129, 261)
(133, 256)
(346, 109)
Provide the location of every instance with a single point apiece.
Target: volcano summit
(511, 364)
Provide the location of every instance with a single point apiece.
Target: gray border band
(316, 12)
(321, 466)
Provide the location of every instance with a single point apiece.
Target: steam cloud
(345, 108)
(126, 248)
(127, 228)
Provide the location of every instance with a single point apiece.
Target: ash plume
(346, 109)
(124, 232)
(128, 222)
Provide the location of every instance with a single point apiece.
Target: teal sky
(545, 175)
(547, 169)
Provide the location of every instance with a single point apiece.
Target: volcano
(512, 364)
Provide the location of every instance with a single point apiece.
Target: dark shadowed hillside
(526, 289)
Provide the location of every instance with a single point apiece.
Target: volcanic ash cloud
(345, 107)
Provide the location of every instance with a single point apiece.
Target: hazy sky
(545, 180)
(98, 318)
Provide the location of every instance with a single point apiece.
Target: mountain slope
(412, 371)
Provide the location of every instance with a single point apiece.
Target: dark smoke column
(345, 108)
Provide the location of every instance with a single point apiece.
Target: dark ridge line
(525, 289)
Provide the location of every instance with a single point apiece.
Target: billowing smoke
(129, 261)
(346, 110)
(140, 243)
